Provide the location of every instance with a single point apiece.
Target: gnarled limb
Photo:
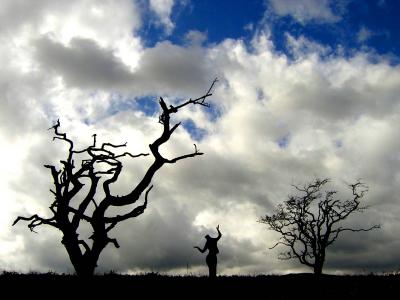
(132, 214)
(93, 163)
(195, 153)
(159, 161)
(35, 221)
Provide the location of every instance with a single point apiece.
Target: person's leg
(213, 270)
(209, 265)
(212, 265)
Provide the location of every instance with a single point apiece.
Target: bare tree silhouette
(312, 221)
(68, 182)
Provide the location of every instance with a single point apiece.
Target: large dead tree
(310, 222)
(68, 182)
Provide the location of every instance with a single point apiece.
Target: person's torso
(212, 246)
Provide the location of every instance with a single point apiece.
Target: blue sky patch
(213, 112)
(363, 25)
(370, 25)
(195, 132)
(283, 142)
(148, 105)
(218, 19)
(338, 143)
(118, 104)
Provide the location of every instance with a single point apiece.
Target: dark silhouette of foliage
(211, 258)
(68, 182)
(310, 222)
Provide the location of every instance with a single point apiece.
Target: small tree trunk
(319, 264)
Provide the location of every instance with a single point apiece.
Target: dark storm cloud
(161, 240)
(359, 251)
(174, 69)
(21, 111)
(83, 63)
(346, 101)
(166, 68)
(46, 253)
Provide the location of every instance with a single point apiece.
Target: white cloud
(302, 46)
(364, 34)
(195, 37)
(305, 11)
(163, 9)
(340, 116)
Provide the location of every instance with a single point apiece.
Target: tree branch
(154, 148)
(195, 153)
(134, 213)
(36, 221)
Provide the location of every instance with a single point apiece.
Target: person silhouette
(211, 259)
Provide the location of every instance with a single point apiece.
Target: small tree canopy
(312, 220)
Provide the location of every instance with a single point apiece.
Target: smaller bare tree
(310, 222)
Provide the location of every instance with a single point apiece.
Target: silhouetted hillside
(293, 286)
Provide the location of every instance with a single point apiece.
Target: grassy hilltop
(292, 286)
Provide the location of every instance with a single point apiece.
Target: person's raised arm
(219, 233)
(201, 250)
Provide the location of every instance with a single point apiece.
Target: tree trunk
(319, 264)
(86, 268)
(84, 263)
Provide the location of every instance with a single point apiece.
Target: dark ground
(293, 286)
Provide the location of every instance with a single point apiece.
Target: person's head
(207, 237)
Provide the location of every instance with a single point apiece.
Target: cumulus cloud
(363, 34)
(301, 46)
(336, 115)
(195, 37)
(163, 9)
(84, 64)
(304, 11)
(168, 68)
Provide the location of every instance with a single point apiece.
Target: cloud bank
(275, 121)
(304, 11)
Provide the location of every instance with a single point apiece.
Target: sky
(307, 89)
